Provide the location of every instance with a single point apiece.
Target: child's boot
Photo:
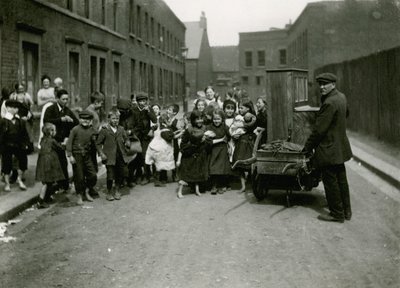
(7, 187)
(88, 197)
(79, 201)
(41, 204)
(19, 180)
(117, 194)
(109, 196)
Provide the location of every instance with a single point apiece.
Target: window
(70, 5)
(116, 86)
(261, 58)
(152, 30)
(87, 9)
(163, 38)
(97, 74)
(160, 84)
(132, 17)
(159, 36)
(151, 82)
(133, 76)
(259, 80)
(73, 76)
(248, 58)
(30, 66)
(282, 57)
(103, 12)
(143, 77)
(115, 15)
(146, 27)
(138, 21)
(245, 80)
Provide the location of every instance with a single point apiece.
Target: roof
(225, 58)
(193, 37)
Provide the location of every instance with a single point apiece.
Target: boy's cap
(87, 115)
(326, 78)
(141, 96)
(12, 103)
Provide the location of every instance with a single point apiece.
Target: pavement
(377, 156)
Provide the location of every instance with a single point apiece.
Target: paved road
(152, 239)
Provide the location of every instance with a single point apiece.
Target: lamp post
(184, 51)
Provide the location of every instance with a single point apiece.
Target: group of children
(140, 140)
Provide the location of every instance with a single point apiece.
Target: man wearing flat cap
(142, 115)
(331, 148)
(80, 147)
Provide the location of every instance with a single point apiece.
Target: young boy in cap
(111, 145)
(80, 147)
(142, 116)
(14, 141)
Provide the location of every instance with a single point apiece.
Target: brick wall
(64, 30)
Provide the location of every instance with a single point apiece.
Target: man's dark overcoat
(329, 137)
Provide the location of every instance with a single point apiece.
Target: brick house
(225, 61)
(259, 51)
(335, 31)
(199, 58)
(117, 47)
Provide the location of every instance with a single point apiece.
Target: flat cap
(141, 96)
(326, 78)
(85, 114)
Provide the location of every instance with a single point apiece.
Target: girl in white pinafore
(160, 152)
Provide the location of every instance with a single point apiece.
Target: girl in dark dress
(244, 144)
(219, 165)
(262, 118)
(48, 167)
(194, 146)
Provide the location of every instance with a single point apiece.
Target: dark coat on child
(244, 146)
(110, 143)
(194, 165)
(262, 121)
(219, 159)
(48, 167)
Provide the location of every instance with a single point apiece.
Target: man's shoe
(347, 216)
(109, 197)
(329, 218)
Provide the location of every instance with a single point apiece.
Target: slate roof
(193, 36)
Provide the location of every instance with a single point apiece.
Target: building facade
(259, 51)
(199, 57)
(336, 31)
(118, 47)
(225, 61)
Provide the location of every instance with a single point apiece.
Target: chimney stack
(203, 20)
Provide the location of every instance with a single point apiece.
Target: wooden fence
(372, 87)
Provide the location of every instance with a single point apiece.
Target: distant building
(225, 61)
(259, 51)
(335, 31)
(199, 58)
(117, 47)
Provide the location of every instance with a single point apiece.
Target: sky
(226, 18)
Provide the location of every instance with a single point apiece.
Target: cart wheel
(260, 189)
